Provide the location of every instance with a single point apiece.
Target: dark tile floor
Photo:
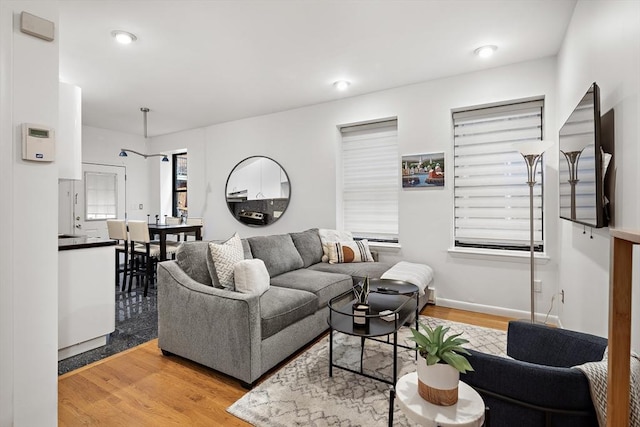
(136, 323)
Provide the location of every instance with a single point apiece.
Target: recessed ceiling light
(485, 51)
(123, 37)
(342, 84)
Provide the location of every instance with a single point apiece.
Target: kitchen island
(86, 293)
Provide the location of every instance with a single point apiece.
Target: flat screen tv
(585, 152)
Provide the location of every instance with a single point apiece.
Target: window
(100, 195)
(491, 194)
(180, 185)
(370, 180)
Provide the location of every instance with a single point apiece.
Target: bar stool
(118, 231)
(144, 255)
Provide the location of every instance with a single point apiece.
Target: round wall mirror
(258, 191)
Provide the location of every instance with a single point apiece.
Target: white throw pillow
(328, 235)
(225, 256)
(345, 252)
(251, 276)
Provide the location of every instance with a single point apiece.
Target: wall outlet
(140, 206)
(537, 285)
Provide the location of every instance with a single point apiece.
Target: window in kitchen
(180, 185)
(101, 196)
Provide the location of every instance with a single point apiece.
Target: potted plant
(361, 306)
(441, 363)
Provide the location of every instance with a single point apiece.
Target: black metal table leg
(395, 357)
(330, 352)
(362, 339)
(392, 398)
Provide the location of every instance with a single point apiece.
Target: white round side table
(468, 412)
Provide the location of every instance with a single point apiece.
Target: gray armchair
(538, 387)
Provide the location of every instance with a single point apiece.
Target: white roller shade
(370, 180)
(490, 179)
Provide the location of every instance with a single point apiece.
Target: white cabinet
(69, 134)
(86, 299)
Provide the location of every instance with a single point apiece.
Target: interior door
(100, 195)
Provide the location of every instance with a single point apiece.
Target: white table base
(468, 412)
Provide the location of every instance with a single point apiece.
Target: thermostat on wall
(38, 143)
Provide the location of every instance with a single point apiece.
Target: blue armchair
(537, 387)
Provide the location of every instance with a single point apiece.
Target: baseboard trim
(498, 311)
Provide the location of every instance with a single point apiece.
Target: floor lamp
(532, 152)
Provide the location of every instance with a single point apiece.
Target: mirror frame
(229, 205)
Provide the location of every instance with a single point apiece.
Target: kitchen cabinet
(86, 294)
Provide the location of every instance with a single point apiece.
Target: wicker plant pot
(438, 384)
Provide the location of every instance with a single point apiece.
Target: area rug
(302, 394)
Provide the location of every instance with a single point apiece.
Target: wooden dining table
(161, 230)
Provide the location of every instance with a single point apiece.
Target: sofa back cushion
(309, 246)
(278, 253)
(194, 259)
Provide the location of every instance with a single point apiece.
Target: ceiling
(198, 63)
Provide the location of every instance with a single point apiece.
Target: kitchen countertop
(83, 242)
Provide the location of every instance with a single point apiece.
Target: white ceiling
(198, 63)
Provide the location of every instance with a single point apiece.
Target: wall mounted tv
(586, 163)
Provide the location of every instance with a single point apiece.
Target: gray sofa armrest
(215, 327)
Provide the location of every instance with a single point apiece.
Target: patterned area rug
(303, 394)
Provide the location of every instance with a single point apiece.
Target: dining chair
(117, 230)
(144, 255)
(173, 220)
(194, 221)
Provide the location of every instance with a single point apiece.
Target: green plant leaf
(458, 361)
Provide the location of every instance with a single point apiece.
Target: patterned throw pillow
(225, 256)
(343, 252)
(332, 236)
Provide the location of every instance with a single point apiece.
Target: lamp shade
(123, 154)
(532, 147)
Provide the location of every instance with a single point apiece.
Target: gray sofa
(245, 335)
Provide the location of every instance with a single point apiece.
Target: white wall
(305, 142)
(29, 197)
(602, 44)
(103, 146)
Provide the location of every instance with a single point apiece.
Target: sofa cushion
(194, 259)
(309, 245)
(250, 276)
(247, 249)
(225, 256)
(281, 307)
(278, 253)
(372, 270)
(324, 285)
(342, 252)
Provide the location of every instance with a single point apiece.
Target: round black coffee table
(400, 298)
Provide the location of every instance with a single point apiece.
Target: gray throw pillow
(278, 253)
(309, 245)
(194, 259)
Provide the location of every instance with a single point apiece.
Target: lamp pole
(532, 163)
(532, 152)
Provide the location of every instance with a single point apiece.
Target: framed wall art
(423, 170)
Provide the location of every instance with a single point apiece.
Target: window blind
(370, 179)
(491, 194)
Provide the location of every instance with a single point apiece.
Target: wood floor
(140, 387)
